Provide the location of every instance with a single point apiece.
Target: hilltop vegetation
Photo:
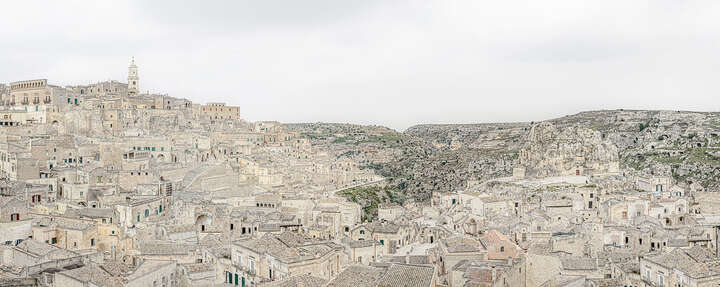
(371, 197)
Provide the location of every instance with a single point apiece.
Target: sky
(382, 62)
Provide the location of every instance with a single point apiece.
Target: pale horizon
(395, 64)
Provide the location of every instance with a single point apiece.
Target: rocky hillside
(684, 145)
(442, 158)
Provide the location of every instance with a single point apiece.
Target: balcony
(244, 269)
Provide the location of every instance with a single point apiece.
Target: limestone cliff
(574, 150)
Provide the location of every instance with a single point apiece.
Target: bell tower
(133, 79)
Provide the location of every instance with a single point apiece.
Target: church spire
(133, 78)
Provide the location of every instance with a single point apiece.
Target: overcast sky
(392, 63)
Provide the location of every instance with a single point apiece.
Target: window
(382, 242)
(502, 248)
(347, 229)
(362, 231)
(53, 240)
(92, 241)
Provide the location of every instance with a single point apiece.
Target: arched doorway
(203, 221)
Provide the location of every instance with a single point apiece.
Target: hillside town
(106, 185)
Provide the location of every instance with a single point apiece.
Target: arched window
(502, 248)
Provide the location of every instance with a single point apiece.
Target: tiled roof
(357, 276)
(42, 249)
(404, 275)
(93, 273)
(274, 246)
(701, 254)
(90, 212)
(578, 263)
(683, 261)
(360, 243)
(384, 227)
(463, 244)
(163, 248)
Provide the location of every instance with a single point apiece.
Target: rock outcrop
(574, 150)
